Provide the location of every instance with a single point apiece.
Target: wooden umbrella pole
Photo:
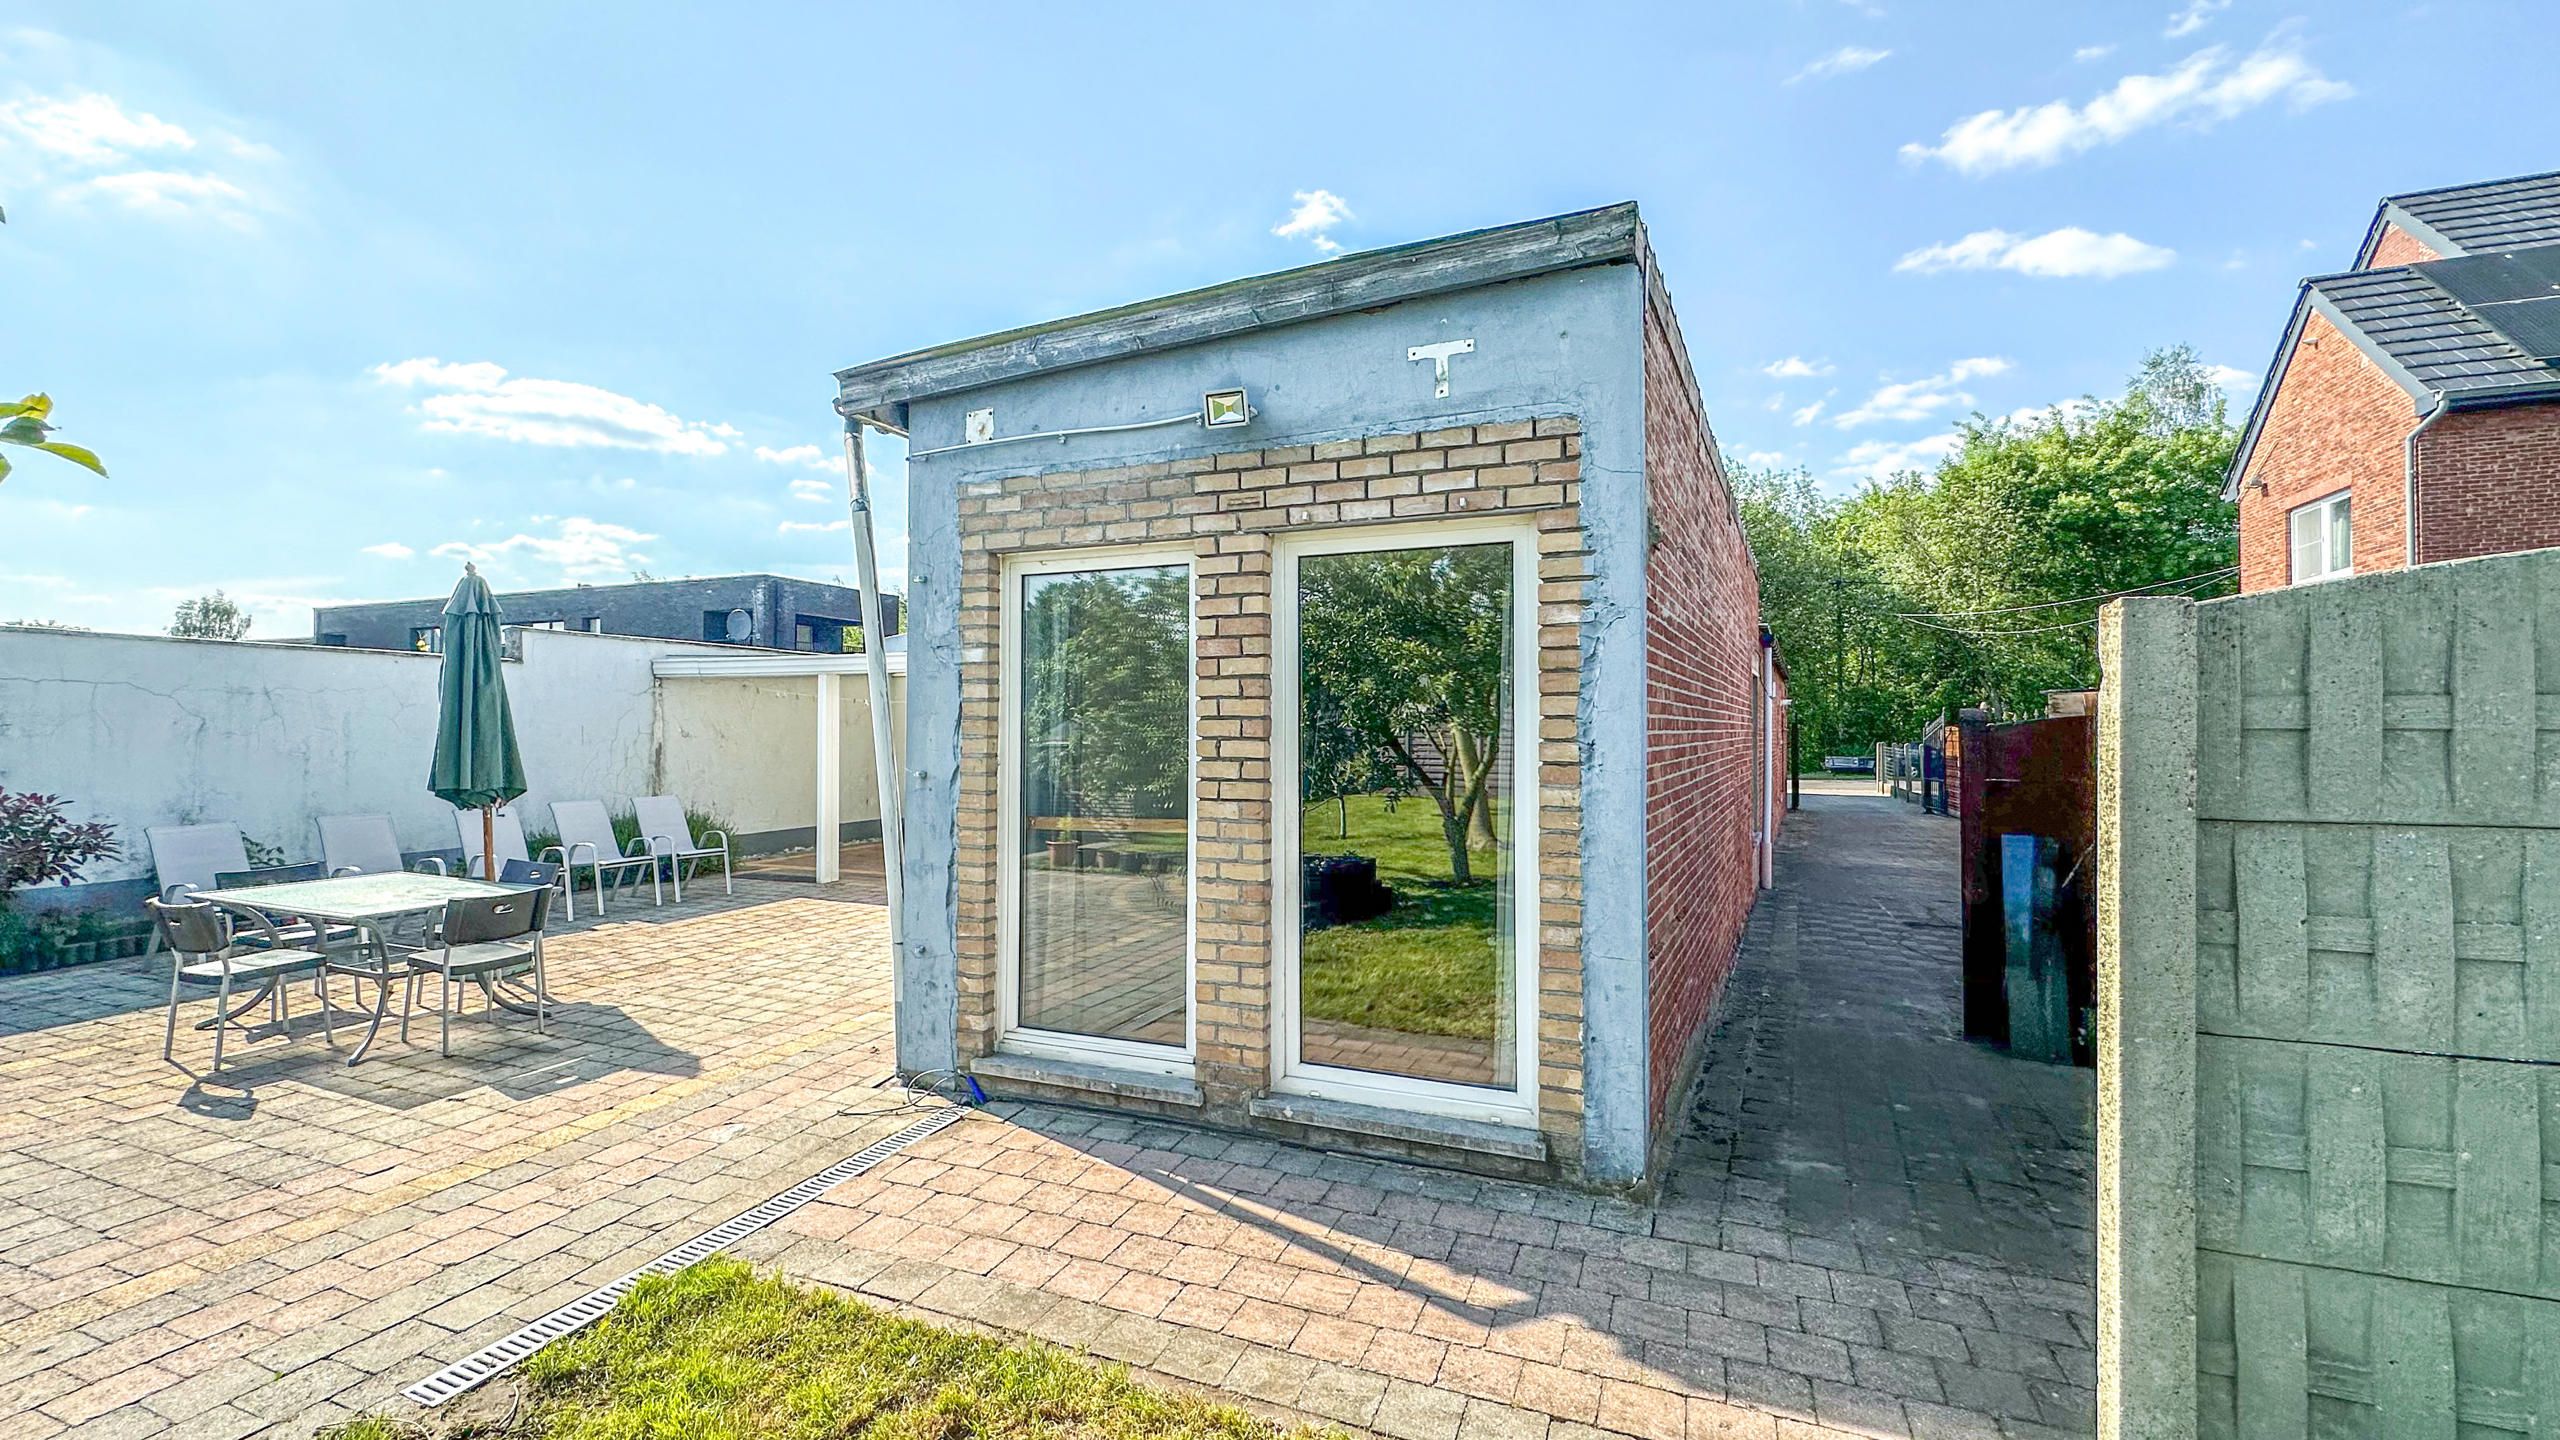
(489, 842)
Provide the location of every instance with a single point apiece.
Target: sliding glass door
(1408, 833)
(1097, 813)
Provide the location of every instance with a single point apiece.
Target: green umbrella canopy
(476, 764)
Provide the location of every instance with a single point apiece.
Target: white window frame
(2338, 566)
(1012, 1036)
(1292, 1073)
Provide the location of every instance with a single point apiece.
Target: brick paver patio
(293, 1244)
(1872, 1227)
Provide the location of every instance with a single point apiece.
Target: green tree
(1400, 646)
(209, 617)
(1908, 599)
(26, 423)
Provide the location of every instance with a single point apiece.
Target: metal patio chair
(365, 845)
(482, 940)
(508, 832)
(203, 952)
(670, 836)
(187, 858)
(586, 838)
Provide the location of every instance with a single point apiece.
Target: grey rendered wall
(1565, 343)
(2372, 942)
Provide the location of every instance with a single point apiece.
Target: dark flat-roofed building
(773, 612)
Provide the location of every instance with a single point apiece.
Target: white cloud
(2196, 15)
(1317, 213)
(1796, 367)
(1847, 60)
(89, 147)
(1881, 460)
(2233, 378)
(817, 490)
(2087, 53)
(2060, 410)
(480, 398)
(2068, 252)
(577, 549)
(90, 130)
(1923, 398)
(810, 456)
(2204, 89)
(167, 194)
(812, 527)
(1764, 459)
(1808, 414)
(390, 550)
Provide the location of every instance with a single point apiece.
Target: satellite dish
(742, 626)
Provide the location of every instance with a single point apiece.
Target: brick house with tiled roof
(2412, 413)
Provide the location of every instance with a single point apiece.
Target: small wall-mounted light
(1224, 409)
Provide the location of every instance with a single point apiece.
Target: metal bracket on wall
(1439, 355)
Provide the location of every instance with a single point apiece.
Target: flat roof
(882, 389)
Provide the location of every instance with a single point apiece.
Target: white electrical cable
(1060, 435)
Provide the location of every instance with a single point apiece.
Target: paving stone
(1418, 1412)
(1915, 1336)
(1809, 1355)
(1860, 1412)
(1848, 1178)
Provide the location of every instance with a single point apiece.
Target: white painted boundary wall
(144, 730)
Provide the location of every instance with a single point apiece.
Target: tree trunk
(1453, 821)
(1453, 828)
(1476, 759)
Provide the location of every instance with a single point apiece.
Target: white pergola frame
(829, 671)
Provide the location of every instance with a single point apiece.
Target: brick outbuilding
(2413, 410)
(1338, 704)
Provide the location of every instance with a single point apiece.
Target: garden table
(370, 904)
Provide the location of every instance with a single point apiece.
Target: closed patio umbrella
(476, 765)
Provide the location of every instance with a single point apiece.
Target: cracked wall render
(144, 730)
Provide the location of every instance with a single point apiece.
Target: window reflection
(1104, 848)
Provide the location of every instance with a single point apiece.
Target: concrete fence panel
(2329, 981)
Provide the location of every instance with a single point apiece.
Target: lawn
(1426, 967)
(721, 1352)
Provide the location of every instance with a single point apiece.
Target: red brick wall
(2489, 482)
(2398, 247)
(1702, 758)
(2337, 423)
(1781, 762)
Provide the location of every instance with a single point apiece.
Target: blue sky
(346, 294)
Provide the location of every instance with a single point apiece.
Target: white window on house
(2323, 539)
(1406, 894)
(1095, 896)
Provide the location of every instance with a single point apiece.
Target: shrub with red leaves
(38, 842)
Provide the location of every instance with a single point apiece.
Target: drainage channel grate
(472, 1370)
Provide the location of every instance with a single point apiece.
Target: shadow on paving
(1870, 1223)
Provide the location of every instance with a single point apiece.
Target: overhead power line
(2192, 582)
(2057, 604)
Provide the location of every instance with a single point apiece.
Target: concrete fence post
(2147, 1020)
